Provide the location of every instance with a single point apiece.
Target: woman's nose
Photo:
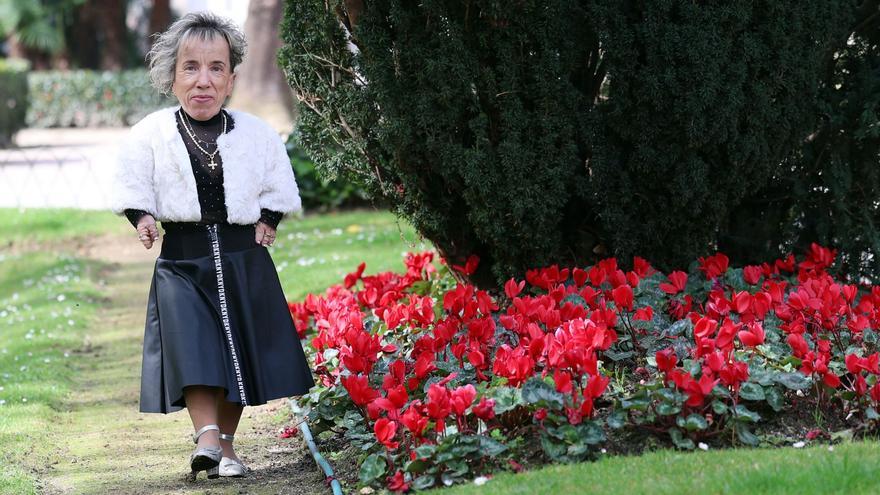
(204, 79)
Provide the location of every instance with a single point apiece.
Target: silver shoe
(206, 458)
(230, 467)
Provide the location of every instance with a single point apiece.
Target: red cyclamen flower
(385, 430)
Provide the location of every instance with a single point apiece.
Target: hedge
(83, 98)
(13, 97)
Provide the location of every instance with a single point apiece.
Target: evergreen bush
(318, 193)
(542, 132)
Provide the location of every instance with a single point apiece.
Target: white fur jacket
(154, 174)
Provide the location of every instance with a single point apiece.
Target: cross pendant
(212, 165)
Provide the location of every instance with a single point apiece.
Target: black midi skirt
(217, 316)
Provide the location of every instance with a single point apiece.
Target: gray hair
(202, 25)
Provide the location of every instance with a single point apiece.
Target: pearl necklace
(192, 135)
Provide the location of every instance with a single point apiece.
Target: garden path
(106, 446)
(70, 168)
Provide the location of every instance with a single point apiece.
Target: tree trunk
(160, 16)
(110, 20)
(260, 86)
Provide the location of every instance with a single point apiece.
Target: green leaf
(871, 414)
(506, 398)
(667, 394)
(635, 403)
(575, 299)
(618, 356)
(372, 468)
(553, 448)
(537, 391)
(666, 409)
(617, 419)
(577, 450)
(448, 478)
(761, 376)
(464, 445)
(425, 451)
(680, 440)
(842, 435)
(591, 432)
(417, 466)
(695, 422)
(751, 391)
(422, 287)
(775, 398)
(490, 447)
(423, 482)
(719, 407)
(458, 467)
(679, 327)
(793, 381)
(744, 414)
(746, 436)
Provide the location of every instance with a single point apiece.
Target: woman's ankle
(209, 439)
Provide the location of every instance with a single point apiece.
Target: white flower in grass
(703, 446)
(799, 445)
(480, 480)
(61, 297)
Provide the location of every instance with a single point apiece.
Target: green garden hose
(319, 459)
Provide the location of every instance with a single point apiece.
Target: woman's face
(202, 78)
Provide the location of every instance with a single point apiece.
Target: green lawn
(313, 253)
(31, 226)
(847, 468)
(46, 304)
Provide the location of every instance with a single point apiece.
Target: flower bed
(438, 382)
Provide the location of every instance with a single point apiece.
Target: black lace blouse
(207, 168)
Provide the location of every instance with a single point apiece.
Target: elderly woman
(218, 332)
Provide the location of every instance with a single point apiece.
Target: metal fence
(59, 168)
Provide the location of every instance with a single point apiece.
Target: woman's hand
(147, 231)
(265, 234)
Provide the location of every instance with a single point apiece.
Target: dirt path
(105, 446)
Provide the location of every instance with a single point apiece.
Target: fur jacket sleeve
(153, 171)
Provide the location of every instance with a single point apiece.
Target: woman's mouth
(202, 99)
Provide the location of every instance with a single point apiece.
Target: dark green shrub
(84, 98)
(537, 132)
(829, 193)
(13, 98)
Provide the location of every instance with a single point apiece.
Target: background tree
(539, 132)
(87, 34)
(160, 16)
(36, 30)
(260, 86)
